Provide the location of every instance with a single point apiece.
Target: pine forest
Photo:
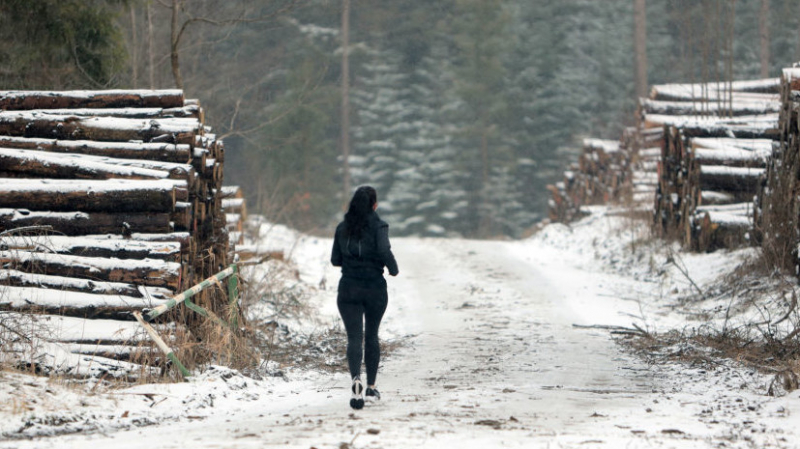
(459, 112)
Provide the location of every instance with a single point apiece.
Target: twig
(789, 312)
(685, 273)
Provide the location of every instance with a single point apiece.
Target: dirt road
(494, 361)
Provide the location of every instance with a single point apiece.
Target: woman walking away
(361, 247)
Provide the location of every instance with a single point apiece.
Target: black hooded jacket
(364, 257)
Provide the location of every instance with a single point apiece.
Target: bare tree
(346, 96)
(182, 18)
(640, 46)
(763, 35)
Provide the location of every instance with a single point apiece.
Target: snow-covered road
(494, 361)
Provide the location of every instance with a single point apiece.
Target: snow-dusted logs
(729, 179)
(34, 163)
(726, 226)
(717, 92)
(88, 247)
(744, 127)
(149, 272)
(37, 124)
(153, 151)
(21, 279)
(777, 203)
(737, 108)
(37, 164)
(21, 100)
(75, 304)
(113, 195)
(732, 152)
(84, 223)
(188, 111)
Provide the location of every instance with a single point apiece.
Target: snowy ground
(492, 359)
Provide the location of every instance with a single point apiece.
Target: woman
(361, 247)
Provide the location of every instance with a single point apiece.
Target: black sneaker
(372, 394)
(357, 401)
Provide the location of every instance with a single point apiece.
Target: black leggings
(361, 305)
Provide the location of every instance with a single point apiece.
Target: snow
(64, 244)
(721, 170)
(108, 185)
(94, 263)
(112, 124)
(79, 146)
(88, 94)
(20, 297)
(491, 357)
(85, 164)
(763, 121)
(609, 146)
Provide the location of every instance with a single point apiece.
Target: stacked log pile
(777, 207)
(110, 201)
(717, 139)
(595, 179)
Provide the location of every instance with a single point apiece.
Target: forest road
(493, 361)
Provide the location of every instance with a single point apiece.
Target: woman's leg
(374, 309)
(351, 310)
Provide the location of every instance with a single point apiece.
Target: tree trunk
(20, 279)
(730, 179)
(164, 152)
(34, 124)
(26, 100)
(115, 195)
(37, 164)
(81, 246)
(154, 273)
(73, 304)
(81, 223)
(134, 49)
(150, 53)
(763, 36)
(174, 45)
(640, 46)
(345, 115)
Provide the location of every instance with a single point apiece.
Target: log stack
(717, 139)
(110, 201)
(777, 207)
(597, 178)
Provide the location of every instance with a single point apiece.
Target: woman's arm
(336, 252)
(385, 250)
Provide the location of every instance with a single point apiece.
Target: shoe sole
(357, 404)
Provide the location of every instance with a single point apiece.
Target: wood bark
(763, 37)
(26, 100)
(16, 278)
(190, 111)
(82, 223)
(345, 115)
(640, 46)
(120, 249)
(37, 164)
(35, 124)
(93, 196)
(156, 152)
(146, 272)
(732, 180)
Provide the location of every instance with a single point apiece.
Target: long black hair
(361, 206)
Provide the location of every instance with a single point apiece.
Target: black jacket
(365, 257)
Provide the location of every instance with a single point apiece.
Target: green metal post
(233, 297)
(177, 299)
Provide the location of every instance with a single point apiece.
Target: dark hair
(360, 207)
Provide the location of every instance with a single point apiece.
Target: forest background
(460, 111)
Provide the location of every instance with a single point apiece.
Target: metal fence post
(233, 297)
